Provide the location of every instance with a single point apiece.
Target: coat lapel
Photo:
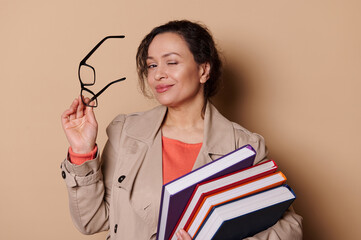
(217, 140)
(141, 136)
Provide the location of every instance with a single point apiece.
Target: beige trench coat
(121, 191)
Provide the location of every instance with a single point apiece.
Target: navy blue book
(175, 194)
(245, 217)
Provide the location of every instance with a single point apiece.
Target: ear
(204, 70)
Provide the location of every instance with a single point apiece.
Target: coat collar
(217, 129)
(218, 137)
(145, 126)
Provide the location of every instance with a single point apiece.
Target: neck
(186, 116)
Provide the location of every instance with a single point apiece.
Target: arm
(89, 188)
(88, 191)
(89, 185)
(88, 207)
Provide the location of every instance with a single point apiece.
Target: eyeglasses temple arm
(104, 88)
(97, 46)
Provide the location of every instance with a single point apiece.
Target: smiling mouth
(161, 88)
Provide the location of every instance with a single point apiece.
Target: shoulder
(137, 124)
(243, 136)
(233, 134)
(134, 117)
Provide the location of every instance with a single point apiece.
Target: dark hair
(200, 43)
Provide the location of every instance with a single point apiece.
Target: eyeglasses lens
(88, 98)
(87, 75)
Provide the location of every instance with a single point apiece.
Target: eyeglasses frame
(84, 86)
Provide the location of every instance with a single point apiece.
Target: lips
(161, 88)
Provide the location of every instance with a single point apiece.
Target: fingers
(89, 111)
(70, 112)
(65, 117)
(74, 111)
(183, 235)
(80, 108)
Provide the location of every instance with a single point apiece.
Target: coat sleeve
(89, 184)
(290, 225)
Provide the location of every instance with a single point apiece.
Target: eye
(172, 63)
(152, 65)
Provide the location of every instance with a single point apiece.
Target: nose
(160, 72)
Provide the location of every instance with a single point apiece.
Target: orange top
(178, 158)
(79, 158)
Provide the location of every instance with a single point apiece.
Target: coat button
(115, 228)
(121, 178)
(63, 174)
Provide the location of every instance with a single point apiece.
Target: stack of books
(228, 198)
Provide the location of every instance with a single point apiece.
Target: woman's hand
(80, 126)
(183, 235)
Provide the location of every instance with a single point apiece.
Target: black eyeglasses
(86, 75)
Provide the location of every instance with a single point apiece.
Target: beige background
(293, 71)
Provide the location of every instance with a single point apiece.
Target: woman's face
(173, 75)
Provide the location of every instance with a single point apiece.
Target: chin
(164, 100)
(166, 103)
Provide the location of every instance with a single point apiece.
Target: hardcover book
(246, 216)
(228, 195)
(207, 188)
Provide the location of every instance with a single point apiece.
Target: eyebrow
(166, 55)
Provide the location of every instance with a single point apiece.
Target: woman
(121, 192)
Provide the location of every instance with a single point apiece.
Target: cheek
(149, 79)
(185, 76)
(190, 78)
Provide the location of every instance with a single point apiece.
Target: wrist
(82, 150)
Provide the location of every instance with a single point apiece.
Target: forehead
(166, 43)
